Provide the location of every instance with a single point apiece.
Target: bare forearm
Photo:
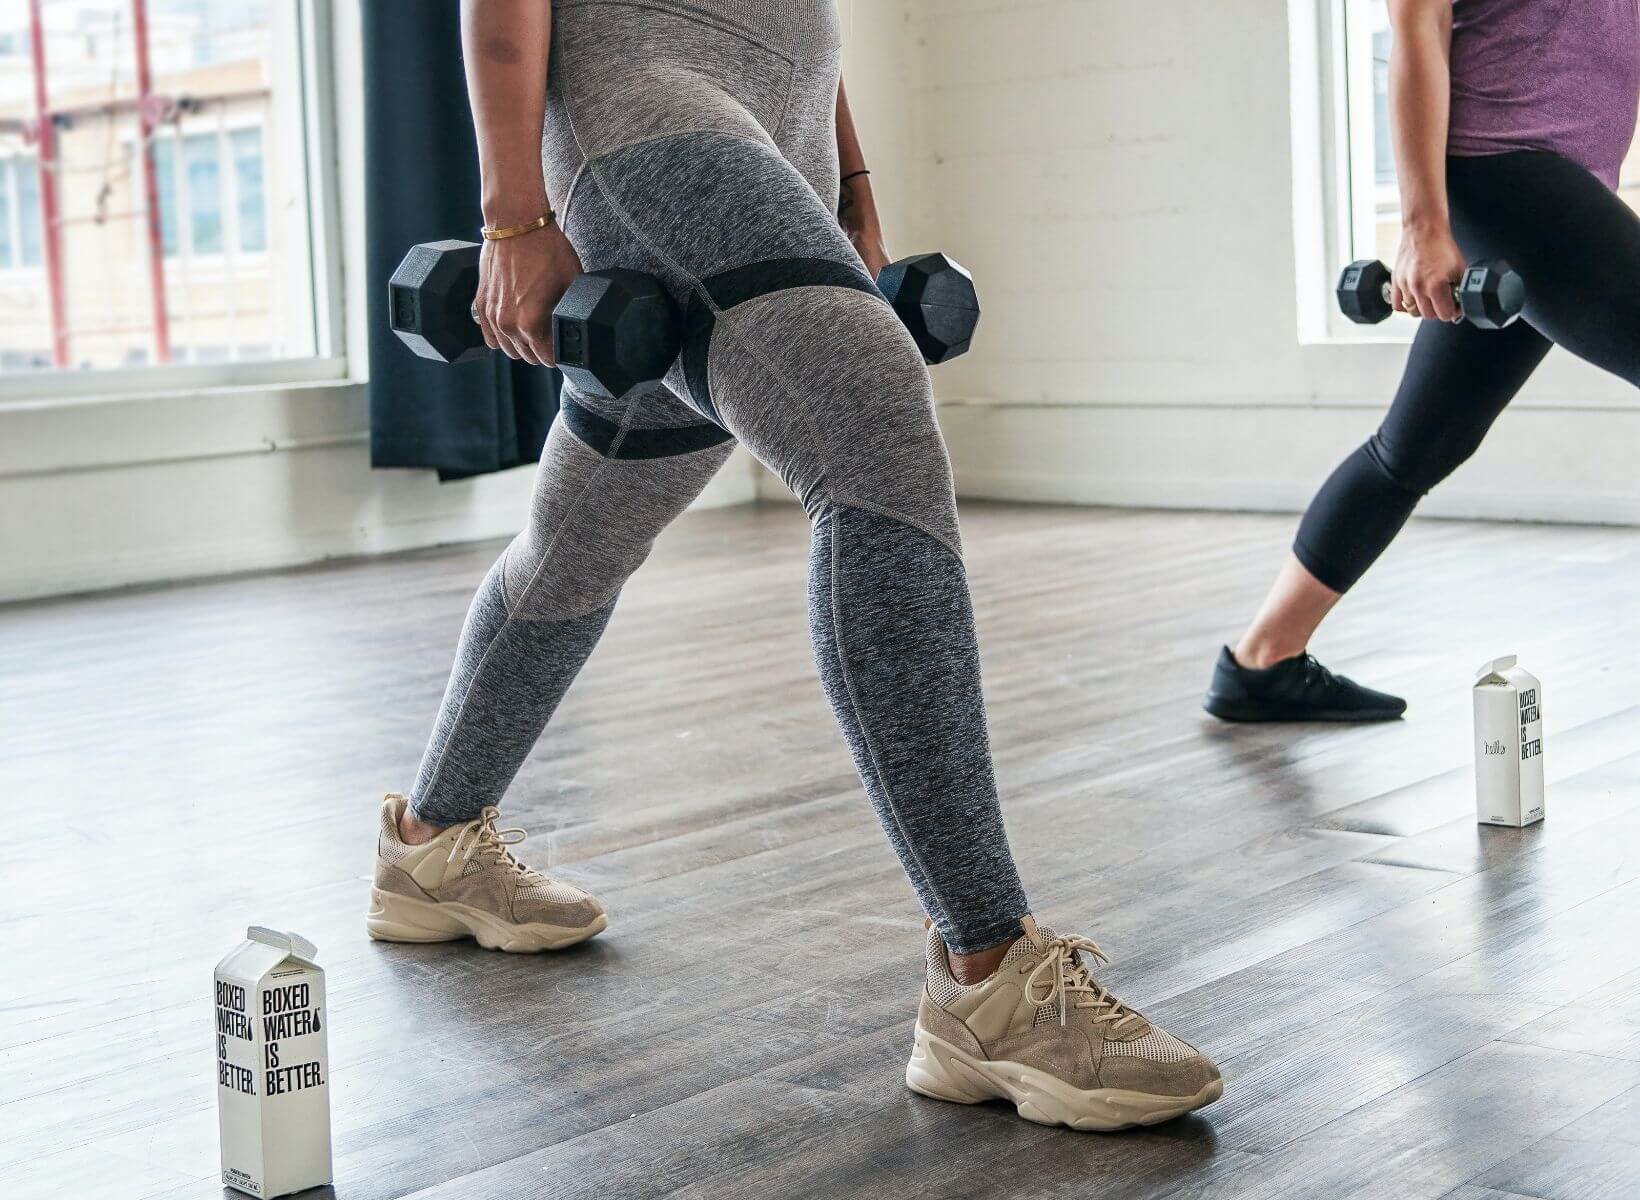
(505, 44)
(856, 207)
(850, 157)
(1420, 99)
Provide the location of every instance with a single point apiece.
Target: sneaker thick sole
(1244, 712)
(943, 1071)
(394, 918)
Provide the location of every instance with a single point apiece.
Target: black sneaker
(1294, 689)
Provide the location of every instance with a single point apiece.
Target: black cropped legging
(1577, 247)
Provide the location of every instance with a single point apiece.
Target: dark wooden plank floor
(1404, 1004)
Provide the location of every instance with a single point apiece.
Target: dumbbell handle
(1457, 290)
(1388, 288)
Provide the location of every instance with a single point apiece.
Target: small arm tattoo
(845, 193)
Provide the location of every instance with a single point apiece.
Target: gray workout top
(1560, 75)
(785, 23)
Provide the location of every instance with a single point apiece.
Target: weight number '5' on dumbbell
(615, 329)
(1490, 293)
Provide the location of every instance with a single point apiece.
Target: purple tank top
(1561, 75)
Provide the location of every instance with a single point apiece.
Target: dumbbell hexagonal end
(1491, 294)
(430, 301)
(934, 296)
(614, 330)
(1361, 292)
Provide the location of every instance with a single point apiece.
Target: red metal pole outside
(148, 120)
(47, 160)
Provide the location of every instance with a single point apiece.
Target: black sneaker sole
(1243, 713)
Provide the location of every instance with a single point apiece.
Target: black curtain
(421, 183)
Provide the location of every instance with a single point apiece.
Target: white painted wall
(1119, 177)
(187, 485)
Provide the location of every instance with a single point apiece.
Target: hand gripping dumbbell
(615, 329)
(1490, 293)
(611, 330)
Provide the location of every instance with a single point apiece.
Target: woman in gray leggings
(704, 142)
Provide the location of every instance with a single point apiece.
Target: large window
(206, 106)
(1353, 166)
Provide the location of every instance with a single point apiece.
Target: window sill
(47, 436)
(24, 389)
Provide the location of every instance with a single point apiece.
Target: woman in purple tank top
(1511, 119)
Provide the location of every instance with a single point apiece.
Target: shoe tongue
(1036, 936)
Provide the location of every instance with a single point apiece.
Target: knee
(881, 434)
(1418, 468)
(602, 497)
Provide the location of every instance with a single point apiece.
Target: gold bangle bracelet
(493, 233)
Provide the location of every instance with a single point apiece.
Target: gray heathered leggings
(694, 140)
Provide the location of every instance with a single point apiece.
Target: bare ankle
(979, 965)
(1257, 655)
(413, 831)
(1297, 604)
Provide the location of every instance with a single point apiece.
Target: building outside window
(216, 205)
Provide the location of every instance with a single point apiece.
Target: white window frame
(310, 128)
(1335, 193)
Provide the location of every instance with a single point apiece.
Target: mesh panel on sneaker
(552, 892)
(1158, 1046)
(941, 986)
(388, 844)
(472, 867)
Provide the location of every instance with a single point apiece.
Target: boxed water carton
(1508, 744)
(272, 1071)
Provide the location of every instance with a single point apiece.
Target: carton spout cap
(1496, 667)
(291, 943)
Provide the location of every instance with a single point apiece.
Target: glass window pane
(203, 167)
(30, 235)
(1383, 147)
(165, 183)
(247, 168)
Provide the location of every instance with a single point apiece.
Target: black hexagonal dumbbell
(934, 296)
(1491, 293)
(615, 329)
(430, 301)
(611, 331)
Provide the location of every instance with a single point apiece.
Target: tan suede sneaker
(466, 883)
(1044, 1034)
